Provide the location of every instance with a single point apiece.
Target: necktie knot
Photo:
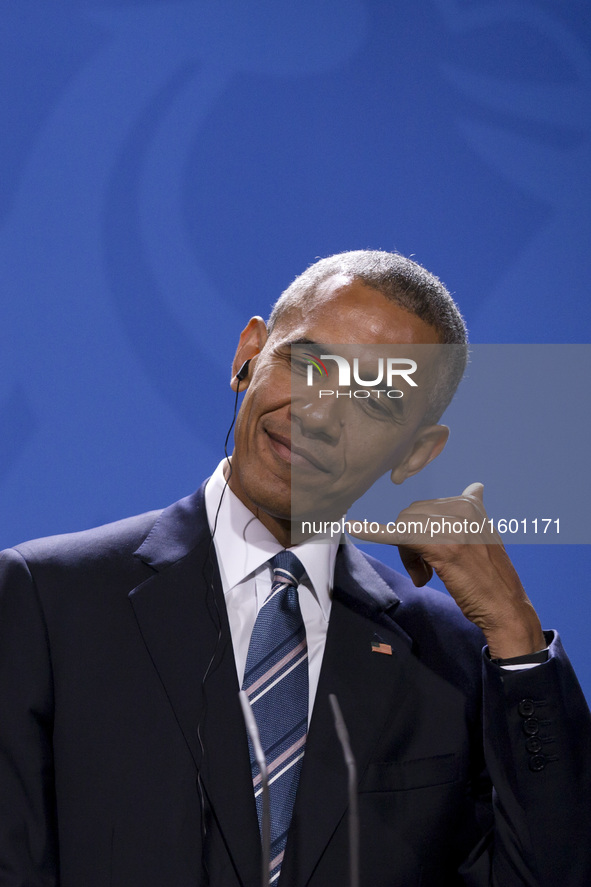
(287, 568)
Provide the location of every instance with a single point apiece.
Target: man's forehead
(348, 311)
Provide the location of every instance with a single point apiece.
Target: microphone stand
(253, 735)
(343, 736)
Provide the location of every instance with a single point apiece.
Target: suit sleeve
(28, 842)
(537, 741)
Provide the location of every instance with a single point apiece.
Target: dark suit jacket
(118, 687)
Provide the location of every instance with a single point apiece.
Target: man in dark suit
(124, 758)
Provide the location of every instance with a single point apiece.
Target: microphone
(243, 371)
(343, 735)
(253, 735)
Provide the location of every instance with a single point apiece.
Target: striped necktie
(276, 682)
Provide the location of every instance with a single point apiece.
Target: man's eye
(374, 406)
(379, 408)
(299, 364)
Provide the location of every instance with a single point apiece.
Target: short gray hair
(407, 284)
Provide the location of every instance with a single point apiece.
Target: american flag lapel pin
(378, 646)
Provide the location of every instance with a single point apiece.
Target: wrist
(511, 646)
(519, 640)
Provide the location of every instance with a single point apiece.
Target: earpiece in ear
(243, 371)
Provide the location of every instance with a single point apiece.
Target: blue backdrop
(166, 168)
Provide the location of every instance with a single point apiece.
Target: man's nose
(321, 418)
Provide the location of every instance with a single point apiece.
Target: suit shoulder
(429, 612)
(440, 636)
(121, 537)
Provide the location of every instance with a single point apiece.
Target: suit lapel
(182, 616)
(368, 687)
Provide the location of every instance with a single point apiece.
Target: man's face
(326, 453)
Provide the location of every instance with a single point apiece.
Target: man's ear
(252, 341)
(426, 446)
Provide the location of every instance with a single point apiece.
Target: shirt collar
(243, 544)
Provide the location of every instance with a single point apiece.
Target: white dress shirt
(243, 547)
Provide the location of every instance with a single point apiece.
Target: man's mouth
(297, 456)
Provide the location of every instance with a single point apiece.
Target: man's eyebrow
(302, 341)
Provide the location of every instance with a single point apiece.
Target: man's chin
(306, 508)
(293, 507)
